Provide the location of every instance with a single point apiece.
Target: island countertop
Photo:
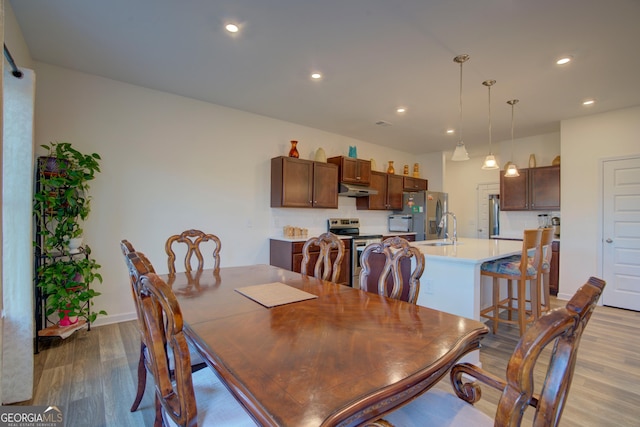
(467, 250)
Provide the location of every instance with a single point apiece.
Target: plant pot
(53, 166)
(65, 320)
(74, 245)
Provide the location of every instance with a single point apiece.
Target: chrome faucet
(455, 226)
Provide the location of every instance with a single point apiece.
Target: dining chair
(323, 268)
(513, 269)
(558, 330)
(185, 399)
(137, 265)
(387, 269)
(195, 241)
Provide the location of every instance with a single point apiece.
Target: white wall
(586, 142)
(171, 163)
(462, 179)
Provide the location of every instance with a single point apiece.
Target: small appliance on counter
(555, 223)
(401, 222)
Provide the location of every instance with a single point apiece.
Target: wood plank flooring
(92, 375)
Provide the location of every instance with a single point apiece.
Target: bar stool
(546, 242)
(512, 268)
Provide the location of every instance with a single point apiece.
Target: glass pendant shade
(512, 171)
(460, 153)
(490, 161)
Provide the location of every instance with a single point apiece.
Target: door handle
(609, 240)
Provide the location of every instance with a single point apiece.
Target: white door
(484, 190)
(621, 233)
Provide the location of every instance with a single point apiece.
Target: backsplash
(513, 223)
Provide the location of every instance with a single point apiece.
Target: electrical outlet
(428, 286)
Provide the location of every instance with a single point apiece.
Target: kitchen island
(451, 279)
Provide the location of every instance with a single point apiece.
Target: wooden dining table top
(340, 359)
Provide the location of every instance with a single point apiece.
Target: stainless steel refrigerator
(427, 209)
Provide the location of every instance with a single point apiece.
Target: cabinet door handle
(609, 240)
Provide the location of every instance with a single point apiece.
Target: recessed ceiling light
(588, 102)
(316, 76)
(232, 28)
(401, 110)
(564, 60)
(451, 131)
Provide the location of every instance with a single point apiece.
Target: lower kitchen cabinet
(288, 254)
(389, 195)
(407, 237)
(554, 272)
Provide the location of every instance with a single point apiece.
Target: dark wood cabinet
(297, 183)
(389, 195)
(407, 237)
(534, 189)
(352, 171)
(554, 272)
(414, 184)
(288, 255)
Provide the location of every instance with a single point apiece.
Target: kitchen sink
(440, 243)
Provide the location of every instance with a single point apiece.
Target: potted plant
(61, 204)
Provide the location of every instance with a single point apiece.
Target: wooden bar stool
(546, 242)
(512, 268)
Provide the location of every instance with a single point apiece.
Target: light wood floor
(93, 374)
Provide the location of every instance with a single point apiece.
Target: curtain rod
(16, 71)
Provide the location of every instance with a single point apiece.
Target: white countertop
(466, 250)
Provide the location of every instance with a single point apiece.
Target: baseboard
(108, 320)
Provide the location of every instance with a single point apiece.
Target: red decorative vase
(65, 320)
(294, 151)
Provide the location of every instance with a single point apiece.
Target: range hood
(350, 190)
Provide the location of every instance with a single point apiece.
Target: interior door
(621, 233)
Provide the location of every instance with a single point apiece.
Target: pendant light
(490, 161)
(460, 153)
(512, 169)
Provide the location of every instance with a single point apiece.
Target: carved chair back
(560, 330)
(386, 269)
(323, 267)
(163, 326)
(195, 241)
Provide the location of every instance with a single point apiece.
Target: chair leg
(510, 299)
(496, 302)
(142, 379)
(546, 292)
(536, 297)
(522, 305)
(158, 421)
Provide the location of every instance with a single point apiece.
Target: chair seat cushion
(439, 408)
(509, 265)
(196, 359)
(216, 405)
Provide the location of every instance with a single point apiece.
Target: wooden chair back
(193, 239)
(163, 327)
(322, 265)
(560, 330)
(386, 269)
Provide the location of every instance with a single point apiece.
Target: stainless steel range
(351, 227)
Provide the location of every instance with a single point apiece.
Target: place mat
(274, 294)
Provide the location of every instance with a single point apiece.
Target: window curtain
(17, 229)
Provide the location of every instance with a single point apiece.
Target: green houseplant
(61, 204)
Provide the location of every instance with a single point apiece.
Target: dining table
(299, 351)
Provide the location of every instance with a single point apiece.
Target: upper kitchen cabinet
(297, 183)
(534, 189)
(353, 171)
(414, 184)
(389, 195)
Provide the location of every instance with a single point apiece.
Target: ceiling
(375, 55)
